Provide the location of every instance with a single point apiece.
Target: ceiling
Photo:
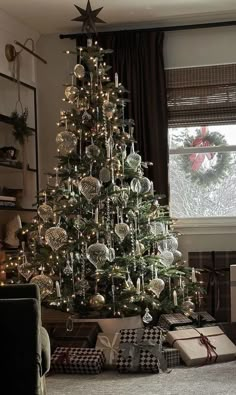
(54, 16)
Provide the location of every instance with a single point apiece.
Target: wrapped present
(77, 360)
(172, 357)
(214, 269)
(109, 344)
(83, 334)
(203, 316)
(233, 292)
(170, 321)
(140, 350)
(184, 327)
(201, 346)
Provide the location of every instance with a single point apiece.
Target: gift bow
(198, 158)
(133, 350)
(110, 345)
(211, 350)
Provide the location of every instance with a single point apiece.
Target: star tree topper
(88, 17)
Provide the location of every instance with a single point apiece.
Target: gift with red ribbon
(202, 346)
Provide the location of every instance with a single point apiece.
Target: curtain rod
(164, 28)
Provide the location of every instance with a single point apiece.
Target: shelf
(6, 119)
(16, 167)
(18, 209)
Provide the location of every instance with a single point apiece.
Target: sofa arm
(46, 351)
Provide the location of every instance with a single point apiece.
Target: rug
(219, 379)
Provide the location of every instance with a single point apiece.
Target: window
(202, 141)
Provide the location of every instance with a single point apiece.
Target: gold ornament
(97, 301)
(44, 283)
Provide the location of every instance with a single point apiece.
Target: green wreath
(192, 164)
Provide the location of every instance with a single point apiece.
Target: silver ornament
(97, 254)
(71, 92)
(188, 307)
(170, 243)
(45, 212)
(66, 141)
(55, 237)
(177, 256)
(156, 286)
(156, 228)
(89, 187)
(134, 160)
(26, 270)
(44, 283)
(104, 175)
(92, 151)
(79, 71)
(68, 270)
(145, 184)
(122, 230)
(147, 318)
(135, 185)
(166, 257)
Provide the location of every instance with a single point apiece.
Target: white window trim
(190, 150)
(204, 225)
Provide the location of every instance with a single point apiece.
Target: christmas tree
(102, 244)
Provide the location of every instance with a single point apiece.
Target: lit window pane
(191, 198)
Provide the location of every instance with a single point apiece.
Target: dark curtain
(138, 60)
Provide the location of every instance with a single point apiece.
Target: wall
(181, 49)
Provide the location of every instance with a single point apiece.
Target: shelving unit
(11, 171)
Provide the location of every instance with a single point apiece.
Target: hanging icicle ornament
(56, 237)
(122, 230)
(44, 283)
(97, 254)
(45, 212)
(111, 254)
(147, 318)
(157, 285)
(66, 141)
(79, 71)
(68, 269)
(71, 92)
(90, 187)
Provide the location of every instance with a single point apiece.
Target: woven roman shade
(201, 96)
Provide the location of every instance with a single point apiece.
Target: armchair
(24, 343)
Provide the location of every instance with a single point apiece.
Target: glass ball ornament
(79, 71)
(122, 230)
(45, 212)
(92, 151)
(97, 254)
(157, 285)
(66, 141)
(97, 301)
(147, 318)
(145, 184)
(109, 109)
(177, 256)
(188, 307)
(170, 243)
(44, 283)
(134, 160)
(104, 175)
(55, 237)
(156, 228)
(90, 187)
(136, 186)
(71, 92)
(166, 257)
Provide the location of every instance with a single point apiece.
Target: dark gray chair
(24, 343)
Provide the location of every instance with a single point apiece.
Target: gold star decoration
(88, 17)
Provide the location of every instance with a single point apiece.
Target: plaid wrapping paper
(77, 360)
(169, 321)
(150, 344)
(182, 327)
(205, 317)
(109, 344)
(216, 278)
(82, 331)
(172, 357)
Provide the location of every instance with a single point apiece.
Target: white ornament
(79, 71)
(45, 212)
(134, 160)
(97, 254)
(166, 257)
(55, 237)
(90, 187)
(156, 286)
(135, 185)
(71, 92)
(44, 283)
(147, 318)
(122, 230)
(66, 141)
